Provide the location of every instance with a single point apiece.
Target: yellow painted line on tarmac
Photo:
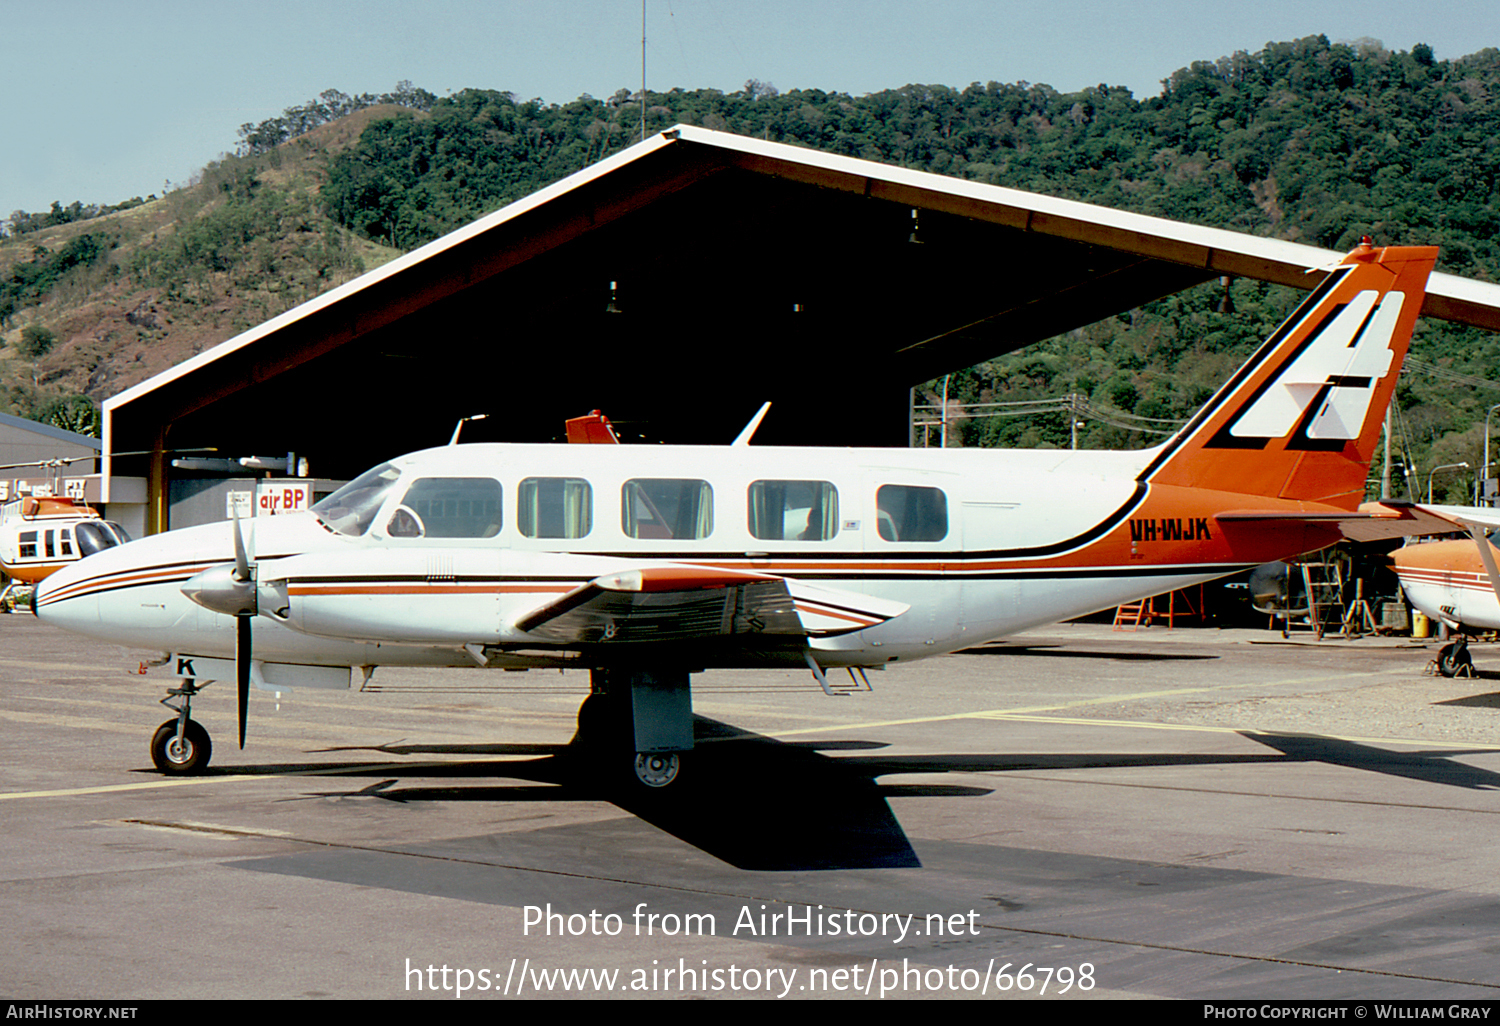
(237, 778)
(52, 668)
(993, 714)
(1075, 721)
(145, 786)
(67, 722)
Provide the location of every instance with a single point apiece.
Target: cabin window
(909, 513)
(65, 542)
(677, 508)
(50, 544)
(448, 507)
(555, 507)
(351, 509)
(794, 510)
(28, 545)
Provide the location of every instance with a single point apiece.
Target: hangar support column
(156, 483)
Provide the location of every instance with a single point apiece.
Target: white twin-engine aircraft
(645, 564)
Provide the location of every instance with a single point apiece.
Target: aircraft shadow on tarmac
(757, 803)
(1490, 700)
(1437, 767)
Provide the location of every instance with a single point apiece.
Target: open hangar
(677, 286)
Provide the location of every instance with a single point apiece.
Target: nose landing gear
(1454, 660)
(181, 746)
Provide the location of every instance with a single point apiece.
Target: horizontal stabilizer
(1373, 521)
(1483, 517)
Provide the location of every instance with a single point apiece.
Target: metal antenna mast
(643, 70)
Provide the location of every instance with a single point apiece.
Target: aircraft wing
(1373, 521)
(678, 603)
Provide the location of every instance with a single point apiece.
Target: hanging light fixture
(1226, 304)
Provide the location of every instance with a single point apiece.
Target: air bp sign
(270, 498)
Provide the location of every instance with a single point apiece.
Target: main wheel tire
(657, 770)
(190, 755)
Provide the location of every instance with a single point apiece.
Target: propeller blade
(242, 668)
(241, 561)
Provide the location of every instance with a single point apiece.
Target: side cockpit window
(910, 513)
(448, 507)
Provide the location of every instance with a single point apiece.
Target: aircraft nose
(54, 601)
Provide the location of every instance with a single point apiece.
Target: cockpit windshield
(352, 508)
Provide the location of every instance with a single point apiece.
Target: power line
(1414, 365)
(1078, 404)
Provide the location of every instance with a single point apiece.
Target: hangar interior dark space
(676, 291)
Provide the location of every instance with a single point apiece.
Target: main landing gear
(181, 746)
(635, 727)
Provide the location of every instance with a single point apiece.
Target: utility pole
(1385, 470)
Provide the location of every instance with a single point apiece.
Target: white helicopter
(41, 533)
(645, 564)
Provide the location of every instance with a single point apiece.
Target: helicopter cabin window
(661, 508)
(909, 513)
(448, 507)
(65, 542)
(28, 545)
(99, 535)
(555, 507)
(50, 543)
(794, 510)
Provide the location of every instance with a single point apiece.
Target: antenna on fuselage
(744, 436)
(458, 428)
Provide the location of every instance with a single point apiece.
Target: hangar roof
(679, 284)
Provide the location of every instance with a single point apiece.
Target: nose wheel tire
(1453, 658)
(657, 770)
(181, 756)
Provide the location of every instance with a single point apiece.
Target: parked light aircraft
(1455, 582)
(647, 563)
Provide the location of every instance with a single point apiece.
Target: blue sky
(108, 99)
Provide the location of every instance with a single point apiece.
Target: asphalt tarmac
(1073, 814)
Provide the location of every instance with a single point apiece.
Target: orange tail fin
(1300, 420)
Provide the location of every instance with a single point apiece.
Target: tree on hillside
(76, 413)
(36, 341)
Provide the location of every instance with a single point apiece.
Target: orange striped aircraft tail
(1300, 420)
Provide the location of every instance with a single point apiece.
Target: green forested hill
(1304, 140)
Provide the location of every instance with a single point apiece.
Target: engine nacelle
(400, 596)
